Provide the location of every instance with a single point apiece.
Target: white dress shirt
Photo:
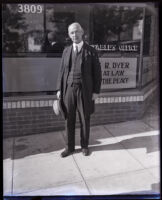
(79, 45)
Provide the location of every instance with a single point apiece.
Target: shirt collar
(79, 45)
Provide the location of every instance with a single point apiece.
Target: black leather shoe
(85, 151)
(66, 153)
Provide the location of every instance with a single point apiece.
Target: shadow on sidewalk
(25, 147)
(53, 142)
(151, 143)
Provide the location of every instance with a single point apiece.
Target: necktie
(76, 49)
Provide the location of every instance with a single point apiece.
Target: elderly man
(78, 85)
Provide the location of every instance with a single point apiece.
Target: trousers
(74, 103)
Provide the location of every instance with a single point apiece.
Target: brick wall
(24, 118)
(30, 121)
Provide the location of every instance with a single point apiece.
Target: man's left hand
(95, 96)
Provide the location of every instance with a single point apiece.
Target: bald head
(76, 25)
(75, 32)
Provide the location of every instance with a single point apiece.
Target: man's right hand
(58, 94)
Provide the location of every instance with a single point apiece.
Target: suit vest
(75, 67)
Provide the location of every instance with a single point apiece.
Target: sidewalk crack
(82, 175)
(125, 148)
(13, 153)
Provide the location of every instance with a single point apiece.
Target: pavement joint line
(129, 152)
(13, 154)
(77, 167)
(53, 187)
(144, 167)
(62, 133)
(148, 169)
(37, 155)
(150, 124)
(118, 174)
(37, 134)
(108, 131)
(81, 174)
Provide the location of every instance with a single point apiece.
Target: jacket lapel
(85, 49)
(67, 56)
(84, 52)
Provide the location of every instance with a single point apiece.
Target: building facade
(125, 36)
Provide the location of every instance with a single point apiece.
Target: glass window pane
(147, 33)
(58, 18)
(23, 28)
(117, 25)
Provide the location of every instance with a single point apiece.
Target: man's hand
(95, 96)
(58, 94)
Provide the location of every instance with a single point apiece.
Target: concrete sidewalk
(124, 159)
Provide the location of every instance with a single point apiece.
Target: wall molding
(12, 104)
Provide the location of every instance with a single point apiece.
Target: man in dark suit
(78, 85)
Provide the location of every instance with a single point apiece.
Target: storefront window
(23, 29)
(38, 31)
(41, 28)
(115, 26)
(58, 18)
(147, 32)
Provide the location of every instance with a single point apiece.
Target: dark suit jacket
(91, 76)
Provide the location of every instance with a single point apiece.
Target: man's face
(75, 34)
